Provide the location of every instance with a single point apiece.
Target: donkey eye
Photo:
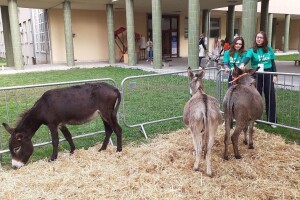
(17, 149)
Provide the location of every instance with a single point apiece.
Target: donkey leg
(210, 143)
(55, 141)
(108, 132)
(235, 140)
(68, 137)
(118, 131)
(198, 148)
(245, 135)
(227, 138)
(251, 135)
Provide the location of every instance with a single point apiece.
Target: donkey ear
(201, 74)
(238, 70)
(8, 128)
(190, 73)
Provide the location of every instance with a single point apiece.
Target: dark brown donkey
(243, 103)
(202, 115)
(70, 105)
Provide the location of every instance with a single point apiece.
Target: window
(214, 27)
(237, 26)
(40, 27)
(25, 39)
(30, 31)
(186, 27)
(21, 31)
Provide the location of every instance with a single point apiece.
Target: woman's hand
(242, 66)
(227, 70)
(275, 79)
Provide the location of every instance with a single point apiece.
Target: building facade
(83, 31)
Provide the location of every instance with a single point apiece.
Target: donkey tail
(117, 103)
(206, 127)
(230, 110)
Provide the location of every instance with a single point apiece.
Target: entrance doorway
(170, 34)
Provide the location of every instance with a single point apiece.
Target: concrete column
(156, 28)
(130, 33)
(299, 44)
(205, 25)
(286, 32)
(68, 33)
(274, 33)
(249, 22)
(110, 33)
(193, 40)
(264, 15)
(230, 23)
(15, 34)
(270, 27)
(9, 55)
(205, 21)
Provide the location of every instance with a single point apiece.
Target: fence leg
(111, 142)
(219, 85)
(143, 131)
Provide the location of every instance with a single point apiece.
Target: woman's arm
(246, 60)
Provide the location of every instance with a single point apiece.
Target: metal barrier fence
(287, 95)
(163, 97)
(167, 93)
(15, 100)
(149, 99)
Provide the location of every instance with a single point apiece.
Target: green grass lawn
(290, 57)
(168, 92)
(134, 105)
(2, 62)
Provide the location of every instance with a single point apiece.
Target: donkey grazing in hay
(70, 105)
(202, 115)
(243, 103)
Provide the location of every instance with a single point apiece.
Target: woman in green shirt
(262, 56)
(234, 55)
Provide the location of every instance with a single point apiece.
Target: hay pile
(162, 169)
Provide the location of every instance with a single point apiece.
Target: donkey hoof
(51, 159)
(72, 150)
(250, 146)
(238, 157)
(245, 142)
(119, 149)
(195, 169)
(226, 157)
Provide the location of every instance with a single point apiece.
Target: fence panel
(16, 100)
(158, 97)
(287, 94)
(149, 99)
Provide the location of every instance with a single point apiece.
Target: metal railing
(17, 99)
(287, 95)
(146, 95)
(165, 94)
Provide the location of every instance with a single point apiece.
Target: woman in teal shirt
(234, 55)
(262, 56)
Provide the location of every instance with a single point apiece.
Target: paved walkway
(177, 64)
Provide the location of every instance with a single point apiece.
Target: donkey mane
(23, 117)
